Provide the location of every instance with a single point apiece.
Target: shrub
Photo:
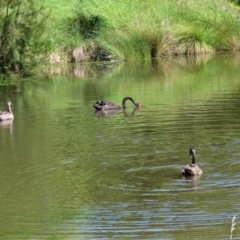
(88, 26)
(22, 25)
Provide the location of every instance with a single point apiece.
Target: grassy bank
(61, 13)
(144, 29)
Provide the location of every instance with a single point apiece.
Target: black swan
(106, 105)
(192, 169)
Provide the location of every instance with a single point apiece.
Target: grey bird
(7, 115)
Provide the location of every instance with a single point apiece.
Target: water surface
(68, 172)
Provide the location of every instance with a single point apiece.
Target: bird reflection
(7, 124)
(194, 179)
(111, 112)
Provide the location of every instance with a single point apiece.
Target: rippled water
(68, 172)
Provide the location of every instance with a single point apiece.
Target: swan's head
(192, 151)
(9, 104)
(138, 105)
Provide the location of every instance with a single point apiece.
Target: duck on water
(192, 169)
(106, 105)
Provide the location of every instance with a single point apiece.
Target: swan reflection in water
(193, 180)
(7, 124)
(111, 112)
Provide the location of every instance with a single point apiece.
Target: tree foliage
(22, 26)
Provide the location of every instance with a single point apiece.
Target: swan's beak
(139, 105)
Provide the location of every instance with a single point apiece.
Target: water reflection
(67, 174)
(6, 123)
(193, 180)
(111, 112)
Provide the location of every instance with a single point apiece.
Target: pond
(68, 172)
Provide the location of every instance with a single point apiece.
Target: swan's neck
(10, 108)
(193, 158)
(128, 98)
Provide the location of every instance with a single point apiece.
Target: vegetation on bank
(145, 29)
(22, 42)
(90, 30)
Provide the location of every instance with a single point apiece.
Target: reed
(232, 226)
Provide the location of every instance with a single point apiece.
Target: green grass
(58, 34)
(144, 29)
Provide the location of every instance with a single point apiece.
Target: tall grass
(146, 29)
